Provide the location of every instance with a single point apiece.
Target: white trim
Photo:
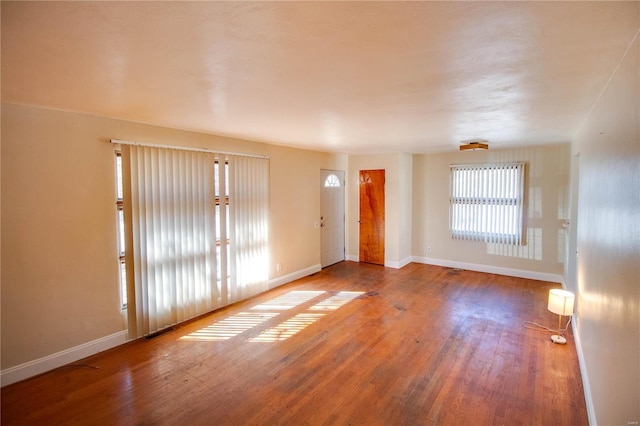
(520, 273)
(49, 362)
(563, 282)
(588, 399)
(277, 282)
(398, 265)
(591, 411)
(353, 258)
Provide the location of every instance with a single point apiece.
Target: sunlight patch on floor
(336, 301)
(301, 321)
(287, 301)
(244, 321)
(230, 327)
(287, 328)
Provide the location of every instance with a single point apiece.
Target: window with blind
(487, 202)
(120, 227)
(195, 231)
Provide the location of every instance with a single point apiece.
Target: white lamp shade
(561, 302)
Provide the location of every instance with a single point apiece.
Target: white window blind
(249, 195)
(486, 202)
(185, 260)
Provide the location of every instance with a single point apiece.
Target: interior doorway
(372, 216)
(331, 217)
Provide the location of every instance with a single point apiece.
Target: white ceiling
(353, 77)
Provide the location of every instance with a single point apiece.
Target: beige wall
(59, 263)
(608, 244)
(295, 206)
(547, 176)
(406, 202)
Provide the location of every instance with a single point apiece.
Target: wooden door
(331, 217)
(372, 216)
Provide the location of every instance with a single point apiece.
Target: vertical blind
(186, 253)
(249, 220)
(487, 202)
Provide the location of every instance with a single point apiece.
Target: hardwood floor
(354, 344)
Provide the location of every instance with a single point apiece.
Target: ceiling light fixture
(474, 144)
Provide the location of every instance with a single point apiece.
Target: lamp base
(558, 339)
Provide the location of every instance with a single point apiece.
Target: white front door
(331, 217)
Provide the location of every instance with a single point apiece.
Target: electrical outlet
(278, 267)
(429, 249)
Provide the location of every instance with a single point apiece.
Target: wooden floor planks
(423, 345)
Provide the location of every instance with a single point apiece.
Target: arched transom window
(332, 181)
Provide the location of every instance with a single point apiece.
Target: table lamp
(561, 303)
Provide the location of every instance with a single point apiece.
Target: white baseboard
(50, 362)
(591, 412)
(563, 282)
(387, 263)
(398, 265)
(42, 365)
(520, 273)
(276, 282)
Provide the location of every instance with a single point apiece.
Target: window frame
(218, 197)
(219, 200)
(122, 265)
